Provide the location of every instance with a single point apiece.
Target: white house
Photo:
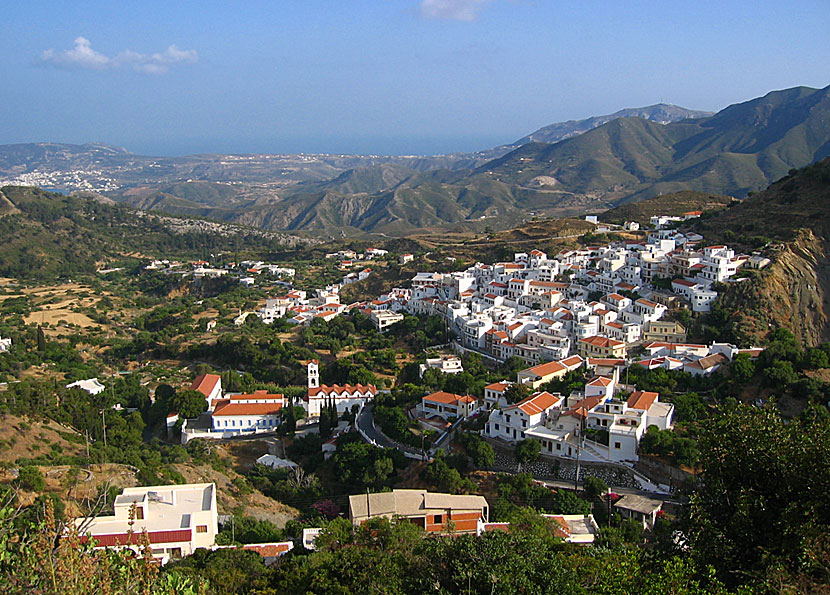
(639, 508)
(275, 462)
(5, 344)
(344, 397)
(91, 385)
(209, 385)
(383, 319)
(257, 412)
(448, 364)
(448, 405)
(511, 422)
(178, 519)
(494, 395)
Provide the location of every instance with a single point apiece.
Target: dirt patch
(59, 317)
(230, 500)
(21, 437)
(210, 313)
(245, 453)
(79, 488)
(823, 374)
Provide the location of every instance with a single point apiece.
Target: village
(586, 308)
(596, 310)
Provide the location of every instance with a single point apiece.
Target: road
(617, 490)
(366, 424)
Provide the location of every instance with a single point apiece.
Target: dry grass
(22, 437)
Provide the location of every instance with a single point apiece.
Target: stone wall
(555, 468)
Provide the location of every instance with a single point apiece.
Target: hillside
(595, 164)
(662, 113)
(49, 235)
(742, 148)
(674, 204)
(794, 292)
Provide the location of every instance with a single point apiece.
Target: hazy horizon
(400, 77)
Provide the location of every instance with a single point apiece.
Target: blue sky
(382, 76)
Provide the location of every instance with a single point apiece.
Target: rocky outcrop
(793, 293)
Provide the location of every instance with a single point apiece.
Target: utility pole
(104, 425)
(578, 450)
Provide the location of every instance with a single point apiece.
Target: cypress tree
(325, 424)
(41, 339)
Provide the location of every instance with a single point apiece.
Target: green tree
(516, 392)
(189, 403)
(527, 451)
(594, 488)
(762, 499)
(742, 368)
(30, 478)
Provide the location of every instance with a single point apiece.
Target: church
(344, 397)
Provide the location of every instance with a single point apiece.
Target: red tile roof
(448, 398)
(346, 388)
(536, 403)
(247, 409)
(641, 400)
(269, 550)
(205, 383)
(547, 369)
(497, 386)
(598, 341)
(113, 539)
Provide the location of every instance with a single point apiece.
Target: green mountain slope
(744, 147)
(674, 204)
(48, 235)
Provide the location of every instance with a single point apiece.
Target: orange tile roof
(498, 386)
(536, 403)
(600, 381)
(247, 409)
(599, 361)
(205, 383)
(349, 388)
(641, 400)
(598, 341)
(448, 398)
(583, 406)
(547, 369)
(572, 361)
(268, 550)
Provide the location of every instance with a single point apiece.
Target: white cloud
(83, 56)
(455, 10)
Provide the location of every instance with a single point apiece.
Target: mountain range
(561, 169)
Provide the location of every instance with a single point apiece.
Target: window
(617, 445)
(438, 519)
(139, 513)
(497, 427)
(201, 528)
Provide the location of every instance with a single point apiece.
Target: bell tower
(313, 374)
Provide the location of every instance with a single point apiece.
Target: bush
(30, 478)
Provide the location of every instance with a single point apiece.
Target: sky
(382, 76)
